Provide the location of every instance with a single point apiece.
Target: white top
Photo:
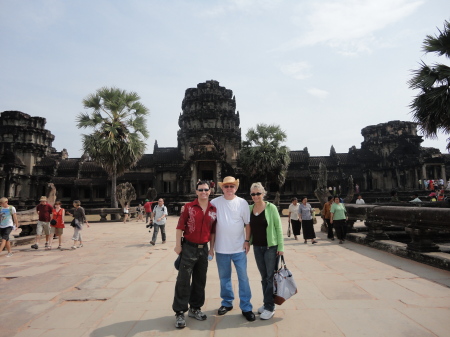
(360, 201)
(232, 216)
(6, 219)
(293, 209)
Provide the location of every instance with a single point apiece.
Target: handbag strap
(280, 258)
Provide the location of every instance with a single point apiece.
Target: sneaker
(35, 246)
(74, 247)
(153, 243)
(267, 314)
(9, 254)
(80, 246)
(46, 245)
(180, 323)
(249, 315)
(197, 314)
(261, 309)
(164, 242)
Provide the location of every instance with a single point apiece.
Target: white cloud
(297, 70)
(317, 92)
(249, 6)
(348, 26)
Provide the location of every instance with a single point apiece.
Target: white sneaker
(261, 310)
(267, 314)
(74, 247)
(9, 254)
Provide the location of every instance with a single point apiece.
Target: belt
(196, 245)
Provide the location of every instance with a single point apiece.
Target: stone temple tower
(209, 138)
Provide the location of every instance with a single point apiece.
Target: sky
(322, 70)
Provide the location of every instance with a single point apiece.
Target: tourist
(448, 185)
(159, 221)
(140, 212)
(356, 188)
(58, 219)
(425, 184)
(148, 210)
(416, 198)
(231, 244)
(305, 215)
(212, 187)
(441, 196)
(394, 196)
(267, 240)
(431, 186)
(326, 215)
(8, 219)
(79, 218)
(45, 214)
(197, 224)
(126, 211)
(339, 219)
(360, 200)
(293, 217)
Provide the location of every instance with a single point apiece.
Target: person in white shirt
(416, 198)
(231, 244)
(293, 217)
(8, 219)
(159, 221)
(360, 200)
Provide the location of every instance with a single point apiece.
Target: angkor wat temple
(209, 140)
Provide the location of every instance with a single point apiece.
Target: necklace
(257, 206)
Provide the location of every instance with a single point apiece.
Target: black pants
(194, 263)
(330, 229)
(308, 229)
(295, 227)
(341, 228)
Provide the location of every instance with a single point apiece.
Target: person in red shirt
(148, 210)
(45, 215)
(198, 224)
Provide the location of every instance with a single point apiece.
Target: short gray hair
(258, 186)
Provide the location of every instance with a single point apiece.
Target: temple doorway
(206, 170)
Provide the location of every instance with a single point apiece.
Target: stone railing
(422, 223)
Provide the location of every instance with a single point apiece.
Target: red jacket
(196, 225)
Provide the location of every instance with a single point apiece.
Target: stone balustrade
(420, 222)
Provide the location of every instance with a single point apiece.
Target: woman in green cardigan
(267, 240)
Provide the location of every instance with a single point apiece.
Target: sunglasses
(253, 194)
(228, 186)
(203, 189)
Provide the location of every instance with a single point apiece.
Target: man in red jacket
(198, 225)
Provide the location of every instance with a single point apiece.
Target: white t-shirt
(293, 209)
(360, 201)
(232, 216)
(6, 219)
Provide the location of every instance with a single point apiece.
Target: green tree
(431, 106)
(262, 156)
(119, 129)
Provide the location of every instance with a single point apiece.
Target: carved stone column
(375, 230)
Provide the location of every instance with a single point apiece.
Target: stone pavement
(118, 285)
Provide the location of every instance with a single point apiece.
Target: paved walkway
(118, 285)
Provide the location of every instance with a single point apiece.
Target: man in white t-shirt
(232, 244)
(360, 200)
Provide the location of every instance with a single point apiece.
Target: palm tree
(263, 157)
(431, 107)
(119, 127)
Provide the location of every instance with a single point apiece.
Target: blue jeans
(226, 288)
(266, 260)
(156, 230)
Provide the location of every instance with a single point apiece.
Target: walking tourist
(196, 226)
(293, 217)
(126, 211)
(140, 212)
(326, 217)
(45, 214)
(79, 217)
(148, 210)
(305, 215)
(8, 219)
(159, 221)
(339, 219)
(267, 240)
(58, 219)
(231, 244)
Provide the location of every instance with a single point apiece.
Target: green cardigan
(274, 228)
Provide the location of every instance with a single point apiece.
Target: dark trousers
(295, 227)
(194, 264)
(330, 229)
(148, 215)
(341, 228)
(156, 229)
(266, 260)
